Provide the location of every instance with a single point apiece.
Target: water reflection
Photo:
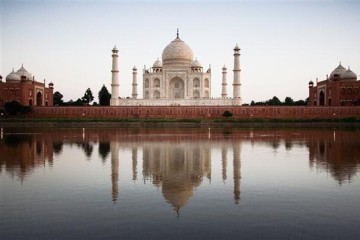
(177, 160)
(174, 165)
(337, 153)
(22, 153)
(179, 168)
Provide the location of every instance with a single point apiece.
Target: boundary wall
(192, 112)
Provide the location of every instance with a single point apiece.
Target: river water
(180, 183)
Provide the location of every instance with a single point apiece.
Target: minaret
(224, 83)
(237, 84)
(115, 78)
(134, 84)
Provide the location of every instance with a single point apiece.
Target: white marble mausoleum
(177, 80)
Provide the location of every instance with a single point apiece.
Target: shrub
(227, 113)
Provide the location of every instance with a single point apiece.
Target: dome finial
(177, 33)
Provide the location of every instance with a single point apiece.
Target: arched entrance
(39, 99)
(322, 98)
(176, 88)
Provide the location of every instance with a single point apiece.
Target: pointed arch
(321, 98)
(156, 94)
(39, 99)
(206, 94)
(156, 83)
(196, 94)
(206, 83)
(176, 88)
(196, 83)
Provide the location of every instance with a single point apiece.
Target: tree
(88, 96)
(57, 97)
(104, 96)
(289, 101)
(15, 108)
(78, 102)
(274, 101)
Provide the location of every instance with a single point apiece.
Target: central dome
(177, 52)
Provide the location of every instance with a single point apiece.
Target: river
(179, 183)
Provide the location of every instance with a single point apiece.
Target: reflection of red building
(340, 89)
(335, 152)
(21, 154)
(21, 86)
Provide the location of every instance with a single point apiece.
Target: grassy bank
(154, 122)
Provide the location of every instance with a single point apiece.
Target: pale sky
(284, 44)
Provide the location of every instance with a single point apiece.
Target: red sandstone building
(21, 86)
(340, 89)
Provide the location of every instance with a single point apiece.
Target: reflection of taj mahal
(178, 168)
(177, 162)
(178, 80)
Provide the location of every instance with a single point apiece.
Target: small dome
(177, 52)
(196, 64)
(23, 72)
(12, 76)
(339, 71)
(349, 75)
(157, 64)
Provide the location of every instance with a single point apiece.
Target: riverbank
(165, 122)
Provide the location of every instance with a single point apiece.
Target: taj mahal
(177, 80)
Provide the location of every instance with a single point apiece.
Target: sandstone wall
(247, 112)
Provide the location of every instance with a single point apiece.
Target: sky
(284, 44)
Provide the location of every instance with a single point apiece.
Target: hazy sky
(284, 44)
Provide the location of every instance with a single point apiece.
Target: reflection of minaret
(237, 174)
(207, 162)
(224, 161)
(134, 162)
(115, 170)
